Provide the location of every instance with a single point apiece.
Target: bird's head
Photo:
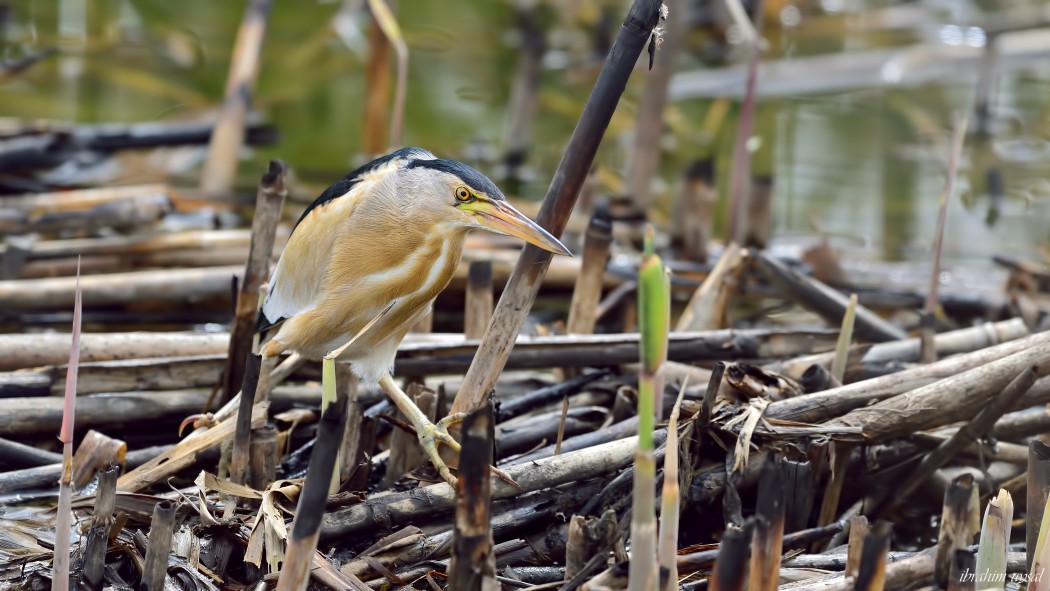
(462, 195)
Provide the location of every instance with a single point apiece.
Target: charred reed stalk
(524, 283)
(295, 573)
(769, 527)
(731, 566)
(268, 204)
(97, 538)
(220, 169)
(161, 530)
(583, 308)
(960, 521)
(871, 573)
(240, 457)
(473, 564)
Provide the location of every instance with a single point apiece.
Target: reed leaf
(667, 551)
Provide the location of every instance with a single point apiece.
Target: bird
(367, 259)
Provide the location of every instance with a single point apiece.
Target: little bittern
(382, 243)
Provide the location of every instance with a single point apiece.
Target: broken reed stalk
(350, 451)
(524, 283)
(161, 531)
(306, 527)
(649, 128)
(654, 318)
(708, 308)
(96, 541)
(1038, 488)
(769, 527)
(871, 573)
(405, 452)
(268, 203)
(583, 307)
(240, 458)
(694, 210)
(990, 564)
(220, 168)
(265, 455)
(838, 365)
(731, 566)
(929, 328)
(960, 521)
(478, 309)
(388, 24)
(740, 172)
(473, 562)
(858, 531)
(963, 574)
(64, 520)
(670, 501)
(968, 434)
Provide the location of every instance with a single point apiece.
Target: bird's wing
(301, 269)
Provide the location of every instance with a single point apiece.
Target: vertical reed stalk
(929, 349)
(220, 169)
(473, 562)
(524, 283)
(838, 364)
(388, 23)
(960, 521)
(268, 203)
(740, 173)
(670, 502)
(1038, 487)
(653, 309)
(64, 519)
(295, 573)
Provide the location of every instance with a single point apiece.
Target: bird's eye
(462, 194)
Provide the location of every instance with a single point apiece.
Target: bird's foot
(198, 421)
(430, 435)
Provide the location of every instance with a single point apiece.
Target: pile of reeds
(659, 432)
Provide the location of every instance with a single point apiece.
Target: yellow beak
(500, 217)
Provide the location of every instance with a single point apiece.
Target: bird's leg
(265, 384)
(431, 434)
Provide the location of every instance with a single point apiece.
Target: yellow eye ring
(462, 194)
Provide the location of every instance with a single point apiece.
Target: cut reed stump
(473, 564)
